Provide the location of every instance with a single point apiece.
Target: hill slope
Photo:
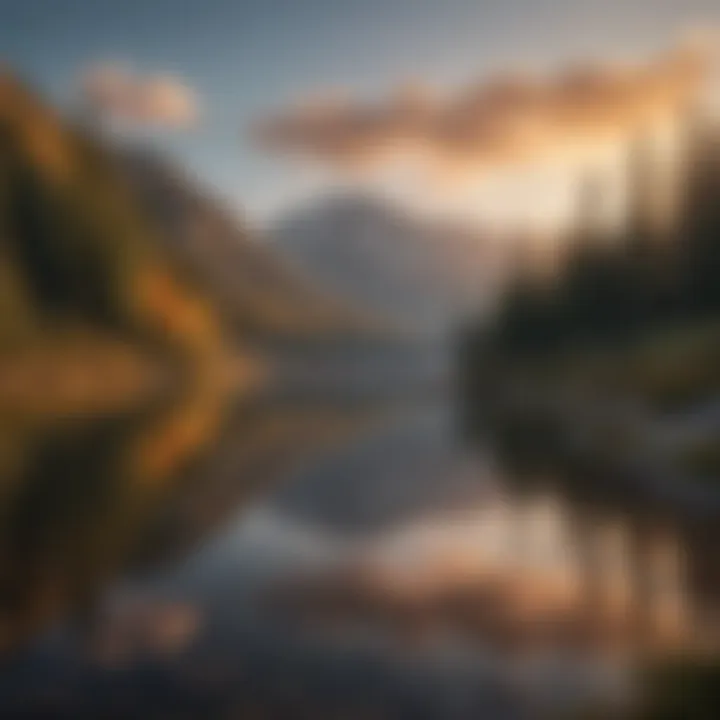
(74, 249)
(258, 292)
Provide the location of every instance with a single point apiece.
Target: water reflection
(328, 559)
(518, 574)
(79, 496)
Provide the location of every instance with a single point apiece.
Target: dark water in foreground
(324, 560)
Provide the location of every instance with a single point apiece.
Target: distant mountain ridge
(420, 273)
(117, 242)
(256, 288)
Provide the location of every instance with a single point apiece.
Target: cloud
(504, 120)
(118, 94)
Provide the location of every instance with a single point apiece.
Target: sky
(245, 59)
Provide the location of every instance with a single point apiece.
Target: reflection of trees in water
(80, 503)
(661, 558)
(531, 577)
(559, 554)
(73, 511)
(260, 445)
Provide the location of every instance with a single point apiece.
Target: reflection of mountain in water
(260, 445)
(324, 559)
(85, 501)
(456, 542)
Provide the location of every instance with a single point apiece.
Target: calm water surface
(325, 559)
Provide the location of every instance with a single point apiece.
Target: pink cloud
(502, 120)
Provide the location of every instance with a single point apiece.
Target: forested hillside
(75, 253)
(638, 310)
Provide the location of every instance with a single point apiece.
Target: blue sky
(247, 57)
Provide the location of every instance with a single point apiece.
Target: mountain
(421, 274)
(76, 252)
(113, 243)
(257, 290)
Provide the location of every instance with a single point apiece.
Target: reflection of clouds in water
(405, 515)
(356, 498)
(497, 534)
(508, 568)
(408, 531)
(530, 542)
(275, 541)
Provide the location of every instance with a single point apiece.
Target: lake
(326, 557)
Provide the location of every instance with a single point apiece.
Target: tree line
(611, 289)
